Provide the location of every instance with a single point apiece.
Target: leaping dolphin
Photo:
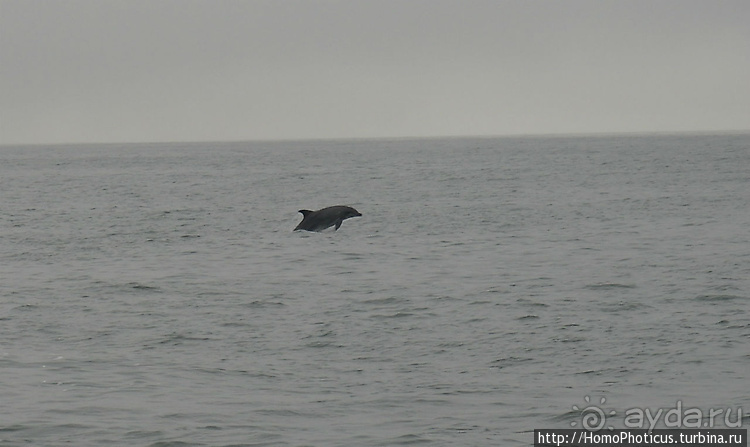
(325, 218)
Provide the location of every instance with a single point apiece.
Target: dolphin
(325, 218)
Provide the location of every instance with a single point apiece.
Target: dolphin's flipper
(338, 224)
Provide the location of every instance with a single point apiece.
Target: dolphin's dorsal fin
(305, 212)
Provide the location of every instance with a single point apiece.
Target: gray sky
(182, 70)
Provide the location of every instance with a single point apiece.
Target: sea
(155, 294)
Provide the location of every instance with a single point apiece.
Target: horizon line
(404, 137)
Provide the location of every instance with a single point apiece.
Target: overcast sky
(183, 70)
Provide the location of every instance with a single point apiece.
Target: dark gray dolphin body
(325, 218)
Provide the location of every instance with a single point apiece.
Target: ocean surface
(156, 295)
